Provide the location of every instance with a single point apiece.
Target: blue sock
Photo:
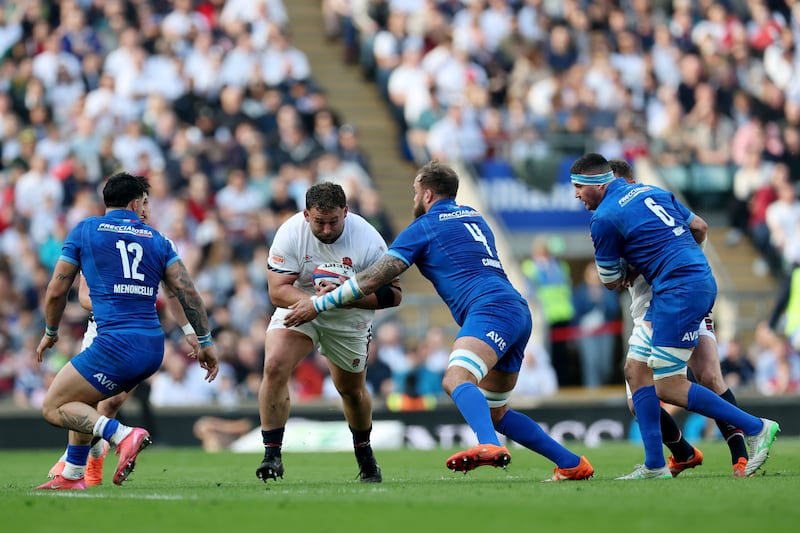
(110, 429)
(524, 430)
(475, 410)
(648, 414)
(78, 455)
(705, 402)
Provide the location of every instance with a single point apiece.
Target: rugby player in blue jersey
(704, 362)
(454, 248)
(123, 261)
(644, 228)
(112, 405)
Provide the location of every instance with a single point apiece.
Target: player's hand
(302, 311)
(45, 344)
(194, 344)
(208, 361)
(324, 286)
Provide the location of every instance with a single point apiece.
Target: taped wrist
(343, 295)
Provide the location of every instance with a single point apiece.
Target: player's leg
(669, 360)
(69, 403)
(684, 455)
(283, 350)
(357, 405)
(704, 364)
(99, 447)
(109, 408)
(497, 387)
(647, 407)
(470, 361)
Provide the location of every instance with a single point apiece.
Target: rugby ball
(331, 273)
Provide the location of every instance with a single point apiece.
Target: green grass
(189, 490)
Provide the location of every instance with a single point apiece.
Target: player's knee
(464, 365)
(276, 371)
(667, 361)
(111, 406)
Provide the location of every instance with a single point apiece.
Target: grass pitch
(189, 490)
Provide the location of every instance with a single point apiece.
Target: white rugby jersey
(295, 250)
(641, 294)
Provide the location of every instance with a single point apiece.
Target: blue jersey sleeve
(608, 246)
(410, 243)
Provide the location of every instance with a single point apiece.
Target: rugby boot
(740, 468)
(94, 467)
(676, 467)
(271, 468)
(128, 450)
(479, 455)
(584, 470)
(59, 482)
(758, 446)
(56, 469)
(368, 469)
(642, 472)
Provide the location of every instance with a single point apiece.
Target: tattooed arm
(55, 300)
(178, 282)
(382, 272)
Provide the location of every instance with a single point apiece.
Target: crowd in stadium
(216, 105)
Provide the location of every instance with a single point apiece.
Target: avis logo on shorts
(105, 382)
(690, 336)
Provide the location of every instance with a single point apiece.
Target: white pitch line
(77, 494)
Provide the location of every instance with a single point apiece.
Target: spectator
(777, 364)
(550, 283)
(737, 369)
(596, 309)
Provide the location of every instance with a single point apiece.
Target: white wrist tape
(188, 329)
(343, 295)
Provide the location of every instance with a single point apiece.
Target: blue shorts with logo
(505, 326)
(118, 361)
(676, 313)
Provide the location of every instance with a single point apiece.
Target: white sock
(72, 471)
(121, 432)
(99, 426)
(63, 457)
(98, 449)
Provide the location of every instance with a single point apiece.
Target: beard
(419, 210)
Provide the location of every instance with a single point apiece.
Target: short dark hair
(325, 196)
(122, 188)
(439, 178)
(621, 168)
(590, 164)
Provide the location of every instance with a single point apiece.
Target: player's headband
(597, 179)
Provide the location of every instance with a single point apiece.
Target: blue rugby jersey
(454, 248)
(123, 261)
(647, 227)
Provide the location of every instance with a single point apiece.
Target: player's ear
(305, 214)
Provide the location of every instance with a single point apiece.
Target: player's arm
(389, 295)
(699, 229)
(83, 293)
(383, 271)
(179, 283)
(55, 301)
(282, 291)
(175, 309)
